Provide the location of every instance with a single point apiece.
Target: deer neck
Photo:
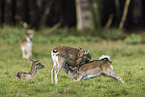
(71, 73)
(33, 71)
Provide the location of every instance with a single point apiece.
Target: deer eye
(55, 51)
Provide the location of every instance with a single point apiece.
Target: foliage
(112, 34)
(142, 35)
(132, 39)
(128, 62)
(11, 34)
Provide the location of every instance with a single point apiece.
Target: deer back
(68, 53)
(96, 66)
(73, 56)
(23, 75)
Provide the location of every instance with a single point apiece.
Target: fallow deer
(35, 66)
(93, 69)
(26, 46)
(67, 55)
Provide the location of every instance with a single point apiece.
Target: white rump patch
(104, 57)
(111, 67)
(54, 58)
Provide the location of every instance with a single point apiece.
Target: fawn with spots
(93, 69)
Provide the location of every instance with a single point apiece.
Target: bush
(133, 39)
(112, 34)
(10, 34)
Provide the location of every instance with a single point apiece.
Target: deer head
(83, 56)
(36, 63)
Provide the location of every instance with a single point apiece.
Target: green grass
(11, 34)
(127, 61)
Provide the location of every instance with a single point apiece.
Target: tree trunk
(23, 10)
(143, 11)
(96, 14)
(84, 15)
(2, 11)
(33, 13)
(7, 12)
(13, 9)
(117, 5)
(124, 14)
(46, 12)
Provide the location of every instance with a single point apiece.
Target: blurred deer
(67, 55)
(26, 45)
(93, 69)
(35, 66)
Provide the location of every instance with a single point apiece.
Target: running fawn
(67, 55)
(35, 65)
(93, 69)
(26, 46)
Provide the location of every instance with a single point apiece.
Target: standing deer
(35, 65)
(26, 47)
(67, 55)
(93, 69)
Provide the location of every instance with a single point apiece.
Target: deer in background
(35, 65)
(26, 45)
(67, 55)
(93, 69)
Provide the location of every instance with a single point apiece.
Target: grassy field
(128, 61)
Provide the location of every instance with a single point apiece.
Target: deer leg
(115, 76)
(55, 61)
(61, 64)
(23, 52)
(69, 71)
(80, 78)
(66, 68)
(56, 77)
(56, 71)
(29, 53)
(52, 73)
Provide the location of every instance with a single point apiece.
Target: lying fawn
(35, 65)
(26, 46)
(67, 55)
(93, 69)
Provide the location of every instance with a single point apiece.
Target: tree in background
(84, 15)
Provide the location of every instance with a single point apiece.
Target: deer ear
(38, 60)
(87, 51)
(79, 47)
(31, 60)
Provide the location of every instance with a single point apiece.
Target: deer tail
(105, 57)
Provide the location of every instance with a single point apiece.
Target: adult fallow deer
(26, 46)
(67, 55)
